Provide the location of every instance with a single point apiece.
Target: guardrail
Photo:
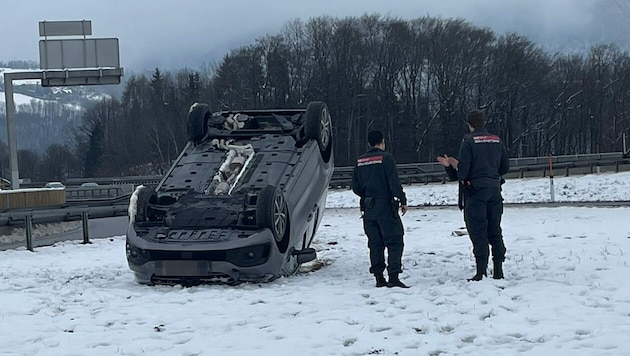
(95, 193)
(27, 217)
(519, 168)
(409, 173)
(17, 217)
(111, 198)
(118, 181)
(112, 195)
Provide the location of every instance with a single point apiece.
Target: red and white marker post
(551, 190)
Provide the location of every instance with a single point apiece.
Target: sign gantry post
(63, 62)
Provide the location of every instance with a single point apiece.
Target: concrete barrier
(31, 198)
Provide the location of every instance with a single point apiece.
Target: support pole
(11, 131)
(28, 228)
(86, 234)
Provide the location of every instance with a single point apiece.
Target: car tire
(198, 121)
(318, 127)
(146, 195)
(272, 212)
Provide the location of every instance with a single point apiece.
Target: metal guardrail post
(28, 228)
(86, 235)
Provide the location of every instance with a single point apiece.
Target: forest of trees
(415, 80)
(19, 64)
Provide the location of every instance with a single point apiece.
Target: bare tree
(514, 91)
(29, 164)
(57, 163)
(457, 54)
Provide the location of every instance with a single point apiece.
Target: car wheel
(198, 121)
(146, 195)
(319, 127)
(272, 213)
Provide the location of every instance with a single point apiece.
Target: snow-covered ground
(592, 187)
(565, 291)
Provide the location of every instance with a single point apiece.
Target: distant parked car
(89, 185)
(241, 203)
(5, 184)
(55, 185)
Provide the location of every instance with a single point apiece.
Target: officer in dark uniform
(483, 160)
(375, 180)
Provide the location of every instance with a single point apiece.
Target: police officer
(483, 160)
(375, 180)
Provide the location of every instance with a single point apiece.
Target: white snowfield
(565, 291)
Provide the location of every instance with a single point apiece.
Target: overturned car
(241, 203)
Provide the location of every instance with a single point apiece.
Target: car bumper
(255, 258)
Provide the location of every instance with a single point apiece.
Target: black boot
(395, 282)
(380, 280)
(481, 270)
(498, 269)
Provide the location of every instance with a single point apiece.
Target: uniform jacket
(483, 159)
(375, 176)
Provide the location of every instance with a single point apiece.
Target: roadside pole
(551, 190)
(10, 114)
(11, 131)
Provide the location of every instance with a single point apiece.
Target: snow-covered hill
(45, 115)
(27, 92)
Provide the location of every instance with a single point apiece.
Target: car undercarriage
(241, 202)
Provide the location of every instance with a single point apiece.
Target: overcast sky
(174, 34)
